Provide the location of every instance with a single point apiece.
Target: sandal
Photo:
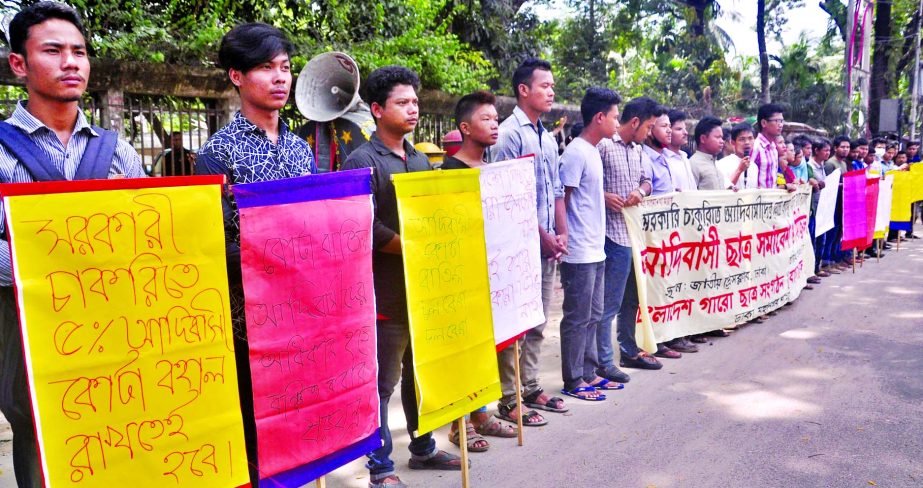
(576, 393)
(496, 429)
(442, 461)
(472, 439)
(504, 412)
(605, 384)
(554, 404)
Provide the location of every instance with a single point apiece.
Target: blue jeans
(395, 362)
(14, 395)
(582, 282)
(618, 270)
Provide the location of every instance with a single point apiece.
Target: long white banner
(709, 259)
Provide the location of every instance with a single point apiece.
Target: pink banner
(307, 270)
(855, 214)
(871, 210)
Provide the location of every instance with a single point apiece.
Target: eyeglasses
(778, 121)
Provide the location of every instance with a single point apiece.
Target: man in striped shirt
(769, 123)
(48, 51)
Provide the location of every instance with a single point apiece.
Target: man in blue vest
(47, 138)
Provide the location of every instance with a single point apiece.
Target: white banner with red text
(710, 259)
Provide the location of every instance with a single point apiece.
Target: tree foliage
(673, 51)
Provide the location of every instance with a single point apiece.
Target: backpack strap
(28, 153)
(97, 157)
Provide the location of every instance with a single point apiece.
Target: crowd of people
(623, 153)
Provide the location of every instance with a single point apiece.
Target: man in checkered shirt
(625, 184)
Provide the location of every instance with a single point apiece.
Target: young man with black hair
(861, 147)
(584, 266)
(839, 161)
(653, 159)
(477, 122)
(658, 170)
(392, 93)
(680, 171)
(913, 152)
(804, 144)
(820, 152)
(736, 169)
(769, 123)
(709, 141)
(521, 134)
(625, 185)
(48, 51)
(255, 146)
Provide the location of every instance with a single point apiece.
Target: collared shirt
(243, 153)
(519, 137)
(707, 176)
(622, 173)
(728, 165)
(657, 169)
(125, 162)
(766, 159)
(680, 171)
(387, 269)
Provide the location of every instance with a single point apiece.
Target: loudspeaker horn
(327, 87)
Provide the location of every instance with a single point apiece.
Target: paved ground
(828, 393)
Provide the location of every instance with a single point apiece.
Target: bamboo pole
(518, 392)
(463, 444)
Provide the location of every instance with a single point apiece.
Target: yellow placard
(448, 294)
(908, 188)
(123, 302)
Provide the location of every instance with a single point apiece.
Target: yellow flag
(123, 302)
(448, 294)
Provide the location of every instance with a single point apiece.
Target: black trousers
(14, 394)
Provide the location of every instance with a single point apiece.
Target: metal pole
(916, 79)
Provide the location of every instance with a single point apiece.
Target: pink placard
(855, 217)
(310, 307)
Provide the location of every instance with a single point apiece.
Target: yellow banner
(448, 294)
(123, 301)
(908, 188)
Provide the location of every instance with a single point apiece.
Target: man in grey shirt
(709, 140)
(584, 267)
(522, 133)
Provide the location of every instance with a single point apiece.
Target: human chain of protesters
(246, 291)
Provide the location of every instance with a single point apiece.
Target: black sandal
(531, 401)
(504, 412)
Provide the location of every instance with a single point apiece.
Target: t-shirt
(582, 170)
(452, 162)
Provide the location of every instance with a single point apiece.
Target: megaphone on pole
(327, 87)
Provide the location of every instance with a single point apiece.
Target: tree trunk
(765, 97)
(881, 58)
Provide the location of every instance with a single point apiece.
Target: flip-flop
(531, 402)
(441, 462)
(583, 389)
(607, 385)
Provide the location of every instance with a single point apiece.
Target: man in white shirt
(736, 169)
(680, 171)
